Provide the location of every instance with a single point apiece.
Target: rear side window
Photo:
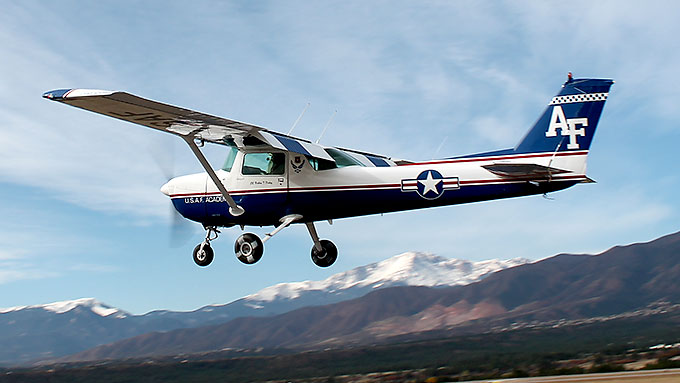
(343, 159)
(264, 164)
(319, 164)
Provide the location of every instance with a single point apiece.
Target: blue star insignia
(430, 184)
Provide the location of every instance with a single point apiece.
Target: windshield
(231, 157)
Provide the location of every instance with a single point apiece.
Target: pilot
(277, 163)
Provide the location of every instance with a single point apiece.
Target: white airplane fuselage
(362, 190)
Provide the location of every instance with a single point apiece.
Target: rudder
(570, 120)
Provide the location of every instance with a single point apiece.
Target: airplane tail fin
(569, 121)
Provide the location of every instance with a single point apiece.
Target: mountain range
(625, 280)
(53, 330)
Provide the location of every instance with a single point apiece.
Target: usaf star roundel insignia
(430, 184)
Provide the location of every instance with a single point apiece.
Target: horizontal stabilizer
(523, 170)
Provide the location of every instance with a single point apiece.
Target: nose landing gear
(203, 253)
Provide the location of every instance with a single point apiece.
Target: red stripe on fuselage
(378, 186)
(408, 183)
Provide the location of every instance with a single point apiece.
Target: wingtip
(62, 94)
(55, 94)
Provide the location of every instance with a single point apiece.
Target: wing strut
(234, 209)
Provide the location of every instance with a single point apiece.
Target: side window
(231, 157)
(318, 164)
(340, 158)
(343, 159)
(264, 164)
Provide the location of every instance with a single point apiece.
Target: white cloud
(32, 250)
(93, 268)
(22, 273)
(401, 76)
(39, 264)
(380, 62)
(73, 156)
(6, 255)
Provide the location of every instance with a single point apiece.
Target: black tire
(206, 257)
(327, 256)
(249, 248)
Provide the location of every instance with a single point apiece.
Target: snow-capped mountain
(61, 328)
(637, 279)
(43, 331)
(407, 269)
(91, 304)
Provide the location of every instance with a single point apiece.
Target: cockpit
(273, 163)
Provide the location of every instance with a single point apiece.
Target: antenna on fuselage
(326, 127)
(436, 152)
(298, 119)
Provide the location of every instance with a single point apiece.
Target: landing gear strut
(324, 252)
(203, 253)
(249, 247)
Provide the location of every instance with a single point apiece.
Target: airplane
(275, 179)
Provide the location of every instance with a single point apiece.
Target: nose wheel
(203, 253)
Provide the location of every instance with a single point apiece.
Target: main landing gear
(324, 252)
(249, 247)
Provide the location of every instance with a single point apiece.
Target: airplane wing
(180, 121)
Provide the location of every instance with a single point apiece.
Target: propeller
(181, 230)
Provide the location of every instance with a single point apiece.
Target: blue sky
(81, 207)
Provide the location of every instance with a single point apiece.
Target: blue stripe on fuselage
(267, 208)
